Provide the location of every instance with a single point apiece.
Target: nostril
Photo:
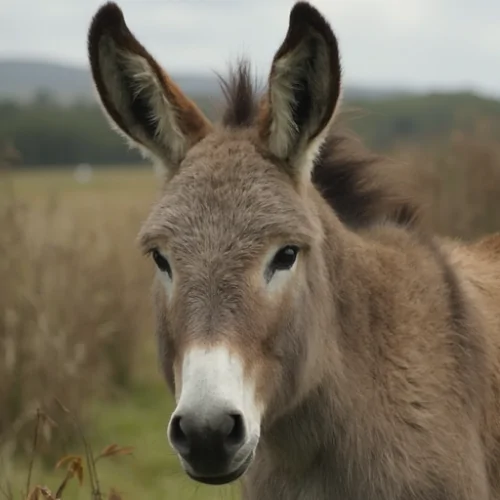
(178, 436)
(196, 435)
(236, 434)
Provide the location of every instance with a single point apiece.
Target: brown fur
(379, 366)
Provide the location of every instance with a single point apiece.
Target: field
(136, 408)
(76, 320)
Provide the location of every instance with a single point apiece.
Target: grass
(138, 420)
(109, 186)
(132, 413)
(70, 269)
(458, 182)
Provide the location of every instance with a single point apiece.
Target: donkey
(319, 342)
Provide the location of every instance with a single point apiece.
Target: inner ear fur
(304, 89)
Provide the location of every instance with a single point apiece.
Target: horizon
(382, 87)
(418, 48)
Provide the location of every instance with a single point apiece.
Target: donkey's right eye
(284, 259)
(161, 262)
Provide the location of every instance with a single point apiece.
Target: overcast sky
(417, 43)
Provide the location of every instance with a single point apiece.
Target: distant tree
(45, 132)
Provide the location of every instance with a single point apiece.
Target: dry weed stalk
(75, 467)
(458, 182)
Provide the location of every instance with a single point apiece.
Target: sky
(416, 44)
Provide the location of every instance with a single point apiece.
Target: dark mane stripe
(358, 185)
(361, 187)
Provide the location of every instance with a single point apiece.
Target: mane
(361, 187)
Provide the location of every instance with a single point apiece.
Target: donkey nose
(208, 443)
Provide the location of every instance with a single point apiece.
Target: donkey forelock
(361, 187)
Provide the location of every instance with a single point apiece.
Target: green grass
(137, 418)
(107, 183)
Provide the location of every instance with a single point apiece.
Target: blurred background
(77, 354)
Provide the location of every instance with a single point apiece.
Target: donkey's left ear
(139, 98)
(303, 90)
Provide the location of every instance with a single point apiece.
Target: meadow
(76, 331)
(76, 322)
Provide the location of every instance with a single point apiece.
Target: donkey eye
(284, 259)
(161, 262)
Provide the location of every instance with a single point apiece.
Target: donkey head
(237, 236)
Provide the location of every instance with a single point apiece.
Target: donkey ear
(139, 99)
(303, 90)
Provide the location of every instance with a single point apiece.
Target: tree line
(45, 132)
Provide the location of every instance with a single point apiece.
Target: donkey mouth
(223, 478)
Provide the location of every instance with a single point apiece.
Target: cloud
(417, 43)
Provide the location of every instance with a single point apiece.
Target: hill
(384, 123)
(22, 80)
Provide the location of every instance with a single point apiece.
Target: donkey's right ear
(303, 92)
(139, 99)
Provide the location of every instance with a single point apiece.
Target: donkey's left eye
(284, 259)
(161, 262)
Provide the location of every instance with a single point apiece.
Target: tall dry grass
(74, 291)
(72, 312)
(458, 182)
